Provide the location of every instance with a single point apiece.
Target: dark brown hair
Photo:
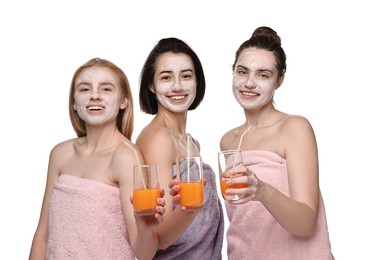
(148, 102)
(267, 39)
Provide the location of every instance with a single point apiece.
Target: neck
(175, 121)
(101, 138)
(262, 118)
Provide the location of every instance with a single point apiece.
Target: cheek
(80, 99)
(162, 88)
(238, 81)
(266, 87)
(190, 86)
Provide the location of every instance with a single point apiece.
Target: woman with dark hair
(172, 83)
(280, 214)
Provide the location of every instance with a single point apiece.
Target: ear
(124, 103)
(74, 106)
(280, 81)
(151, 88)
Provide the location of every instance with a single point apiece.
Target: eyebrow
(83, 83)
(260, 70)
(103, 83)
(170, 71)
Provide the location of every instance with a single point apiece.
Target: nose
(251, 82)
(95, 95)
(177, 85)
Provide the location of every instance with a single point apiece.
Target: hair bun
(267, 33)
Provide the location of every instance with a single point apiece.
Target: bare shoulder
(128, 153)
(296, 124)
(197, 144)
(228, 139)
(64, 148)
(296, 131)
(58, 155)
(157, 144)
(155, 137)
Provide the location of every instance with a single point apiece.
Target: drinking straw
(240, 141)
(188, 147)
(138, 163)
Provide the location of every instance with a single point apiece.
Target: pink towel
(253, 232)
(86, 221)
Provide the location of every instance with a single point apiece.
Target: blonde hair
(125, 117)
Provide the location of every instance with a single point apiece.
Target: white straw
(138, 163)
(240, 141)
(188, 147)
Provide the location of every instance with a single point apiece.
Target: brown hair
(267, 39)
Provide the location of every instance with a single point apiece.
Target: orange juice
(224, 186)
(191, 194)
(145, 201)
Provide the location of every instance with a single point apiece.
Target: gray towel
(204, 237)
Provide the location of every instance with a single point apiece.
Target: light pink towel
(254, 234)
(86, 221)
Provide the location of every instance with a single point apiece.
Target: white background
(43, 42)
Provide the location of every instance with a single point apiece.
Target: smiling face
(255, 78)
(97, 97)
(174, 82)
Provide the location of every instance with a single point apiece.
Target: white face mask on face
(97, 97)
(255, 78)
(175, 83)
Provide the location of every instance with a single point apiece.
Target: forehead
(254, 58)
(170, 60)
(97, 73)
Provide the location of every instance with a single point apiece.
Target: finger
(174, 190)
(159, 218)
(162, 192)
(161, 201)
(176, 199)
(173, 183)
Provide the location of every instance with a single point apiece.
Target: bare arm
(297, 213)
(159, 148)
(143, 239)
(39, 243)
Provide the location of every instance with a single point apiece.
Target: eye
(263, 76)
(241, 72)
(83, 88)
(106, 89)
(165, 77)
(187, 76)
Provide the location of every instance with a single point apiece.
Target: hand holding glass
(227, 160)
(146, 189)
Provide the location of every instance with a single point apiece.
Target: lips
(249, 94)
(95, 108)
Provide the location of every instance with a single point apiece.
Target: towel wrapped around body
(86, 221)
(203, 239)
(255, 234)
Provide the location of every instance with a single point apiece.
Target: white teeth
(177, 97)
(95, 108)
(249, 94)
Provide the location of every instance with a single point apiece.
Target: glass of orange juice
(190, 181)
(228, 160)
(146, 189)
